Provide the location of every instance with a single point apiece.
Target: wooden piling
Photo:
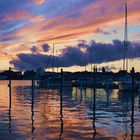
(139, 101)
(32, 111)
(61, 105)
(94, 101)
(9, 85)
(132, 102)
(81, 89)
(32, 80)
(10, 99)
(94, 87)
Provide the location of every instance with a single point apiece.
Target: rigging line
(49, 59)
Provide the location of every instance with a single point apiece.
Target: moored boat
(54, 82)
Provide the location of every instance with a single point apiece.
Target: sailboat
(125, 83)
(53, 80)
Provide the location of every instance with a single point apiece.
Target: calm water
(43, 115)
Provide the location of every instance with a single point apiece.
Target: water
(42, 114)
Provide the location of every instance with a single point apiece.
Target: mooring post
(9, 85)
(32, 80)
(61, 84)
(133, 101)
(139, 101)
(76, 93)
(133, 78)
(81, 90)
(61, 91)
(94, 86)
(32, 111)
(10, 99)
(107, 92)
(94, 100)
(32, 102)
(61, 104)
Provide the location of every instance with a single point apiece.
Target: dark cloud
(45, 47)
(31, 61)
(70, 56)
(34, 49)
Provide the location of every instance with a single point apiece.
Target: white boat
(109, 84)
(126, 84)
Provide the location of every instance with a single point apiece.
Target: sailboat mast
(125, 60)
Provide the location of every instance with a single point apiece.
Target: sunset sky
(81, 31)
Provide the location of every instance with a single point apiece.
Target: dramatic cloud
(45, 47)
(42, 48)
(34, 49)
(35, 22)
(75, 56)
(59, 20)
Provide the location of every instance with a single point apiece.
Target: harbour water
(43, 114)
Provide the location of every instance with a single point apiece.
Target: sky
(81, 31)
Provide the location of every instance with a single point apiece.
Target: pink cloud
(38, 2)
(17, 15)
(65, 27)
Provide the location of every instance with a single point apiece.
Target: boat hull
(54, 84)
(128, 87)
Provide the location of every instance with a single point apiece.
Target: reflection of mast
(125, 104)
(107, 96)
(125, 61)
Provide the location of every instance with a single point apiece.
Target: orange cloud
(66, 27)
(37, 19)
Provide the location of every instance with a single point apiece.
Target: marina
(75, 113)
(69, 70)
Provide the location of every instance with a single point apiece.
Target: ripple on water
(41, 115)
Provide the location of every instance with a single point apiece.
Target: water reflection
(61, 113)
(139, 100)
(32, 109)
(10, 107)
(94, 113)
(54, 114)
(132, 115)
